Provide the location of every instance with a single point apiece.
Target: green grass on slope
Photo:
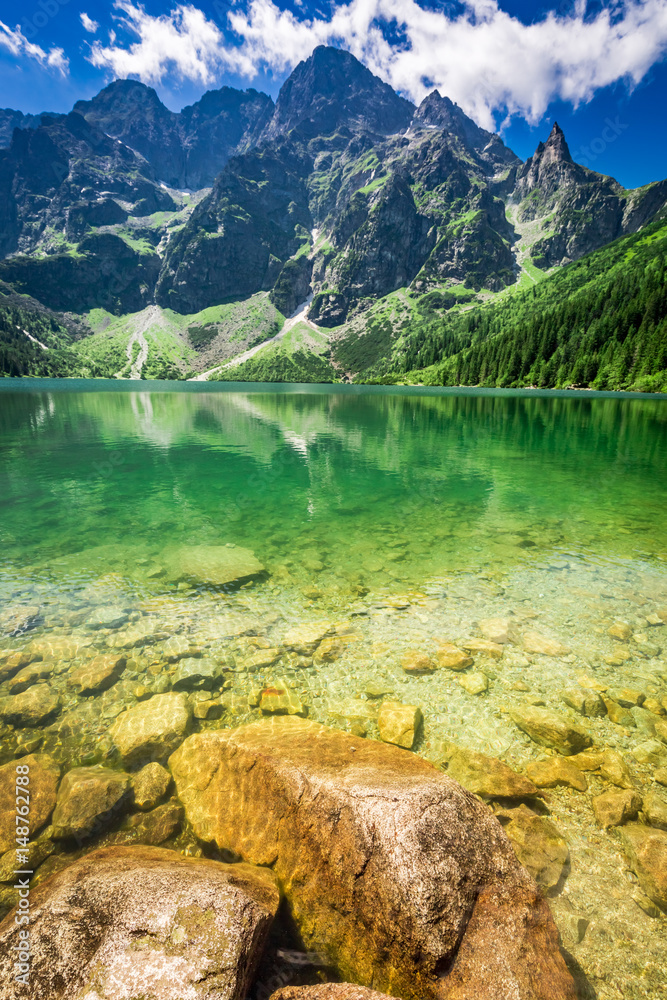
(298, 357)
(600, 323)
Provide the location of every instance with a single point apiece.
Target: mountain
(186, 149)
(575, 210)
(10, 119)
(377, 223)
(330, 93)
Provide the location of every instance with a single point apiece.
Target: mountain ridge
(340, 194)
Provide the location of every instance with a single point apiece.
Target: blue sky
(598, 68)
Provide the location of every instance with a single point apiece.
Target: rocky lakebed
(243, 784)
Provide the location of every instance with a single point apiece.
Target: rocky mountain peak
(332, 90)
(437, 112)
(556, 149)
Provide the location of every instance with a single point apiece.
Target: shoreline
(32, 383)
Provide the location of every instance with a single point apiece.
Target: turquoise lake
(388, 522)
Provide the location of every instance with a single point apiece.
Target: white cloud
(88, 23)
(485, 59)
(16, 43)
(183, 42)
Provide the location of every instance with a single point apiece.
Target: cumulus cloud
(184, 43)
(483, 58)
(88, 23)
(16, 43)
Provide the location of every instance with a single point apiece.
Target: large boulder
(153, 729)
(212, 565)
(43, 774)
(128, 922)
(401, 877)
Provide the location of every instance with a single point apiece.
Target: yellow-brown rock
(496, 629)
(616, 807)
(450, 656)
(539, 845)
(487, 777)
(535, 642)
(44, 774)
(415, 662)
(399, 724)
(398, 875)
(556, 771)
(620, 631)
(483, 647)
(647, 850)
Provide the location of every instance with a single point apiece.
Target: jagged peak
(556, 149)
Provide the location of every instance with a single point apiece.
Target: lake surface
(399, 518)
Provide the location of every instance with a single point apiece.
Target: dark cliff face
(343, 190)
(59, 183)
(237, 240)
(187, 149)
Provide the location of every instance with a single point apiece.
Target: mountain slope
(599, 323)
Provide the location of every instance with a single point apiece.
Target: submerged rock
(556, 771)
(212, 565)
(158, 825)
(44, 774)
(539, 846)
(484, 647)
(535, 642)
(153, 729)
(616, 807)
(59, 647)
(143, 921)
(88, 798)
(328, 991)
(488, 777)
(277, 699)
(304, 639)
(391, 869)
(647, 850)
(496, 629)
(399, 724)
(150, 785)
(30, 708)
(474, 682)
(98, 674)
(12, 660)
(549, 729)
(30, 675)
(414, 662)
(111, 616)
(450, 656)
(196, 674)
(655, 809)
